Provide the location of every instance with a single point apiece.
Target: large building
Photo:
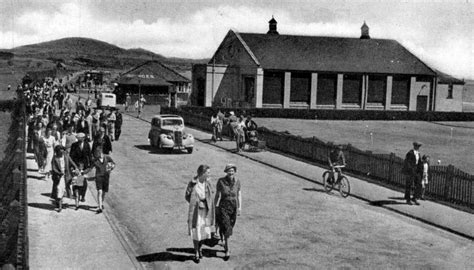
(288, 71)
(157, 82)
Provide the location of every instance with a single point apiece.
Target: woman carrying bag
(201, 214)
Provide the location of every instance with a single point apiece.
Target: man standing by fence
(410, 169)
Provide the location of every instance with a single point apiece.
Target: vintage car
(106, 100)
(167, 132)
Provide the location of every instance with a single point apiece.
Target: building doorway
(200, 95)
(273, 87)
(421, 103)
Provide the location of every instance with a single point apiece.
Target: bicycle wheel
(344, 187)
(328, 185)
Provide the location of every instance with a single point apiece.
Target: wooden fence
(447, 183)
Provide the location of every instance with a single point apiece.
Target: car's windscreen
(172, 122)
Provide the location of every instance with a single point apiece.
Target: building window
(249, 88)
(352, 89)
(377, 89)
(273, 87)
(327, 89)
(400, 90)
(300, 87)
(450, 91)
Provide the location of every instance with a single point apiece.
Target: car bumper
(167, 143)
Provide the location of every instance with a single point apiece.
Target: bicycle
(342, 181)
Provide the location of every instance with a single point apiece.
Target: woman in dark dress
(228, 204)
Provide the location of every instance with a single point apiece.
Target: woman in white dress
(49, 142)
(201, 214)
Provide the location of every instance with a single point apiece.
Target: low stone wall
(13, 194)
(336, 114)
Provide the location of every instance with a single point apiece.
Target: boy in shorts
(103, 165)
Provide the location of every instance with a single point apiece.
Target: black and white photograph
(236, 134)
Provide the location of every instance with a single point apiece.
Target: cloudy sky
(438, 32)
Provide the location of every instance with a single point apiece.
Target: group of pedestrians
(416, 170)
(241, 129)
(138, 105)
(68, 141)
(213, 210)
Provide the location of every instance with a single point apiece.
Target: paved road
(286, 222)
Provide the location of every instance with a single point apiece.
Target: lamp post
(139, 88)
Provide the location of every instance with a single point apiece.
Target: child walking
(425, 161)
(78, 183)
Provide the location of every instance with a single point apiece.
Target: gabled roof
(151, 73)
(447, 79)
(333, 54)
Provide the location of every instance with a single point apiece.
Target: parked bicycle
(342, 183)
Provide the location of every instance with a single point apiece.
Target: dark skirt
(226, 215)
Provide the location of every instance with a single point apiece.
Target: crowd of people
(138, 105)
(241, 129)
(69, 138)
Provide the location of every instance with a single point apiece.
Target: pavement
(71, 239)
(83, 239)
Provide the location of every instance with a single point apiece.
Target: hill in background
(79, 54)
(94, 53)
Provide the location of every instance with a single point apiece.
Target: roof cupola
(272, 26)
(364, 32)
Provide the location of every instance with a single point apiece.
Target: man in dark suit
(82, 126)
(411, 171)
(118, 125)
(81, 153)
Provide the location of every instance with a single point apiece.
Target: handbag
(202, 204)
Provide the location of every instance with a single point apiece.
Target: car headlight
(168, 137)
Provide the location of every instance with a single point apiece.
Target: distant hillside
(94, 53)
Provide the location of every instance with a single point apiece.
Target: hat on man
(416, 144)
(230, 166)
(231, 112)
(80, 135)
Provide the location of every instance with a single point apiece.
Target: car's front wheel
(190, 150)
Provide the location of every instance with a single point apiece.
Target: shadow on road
(397, 198)
(384, 202)
(46, 194)
(164, 256)
(45, 206)
(315, 189)
(172, 254)
(37, 177)
(144, 147)
(31, 170)
(153, 150)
